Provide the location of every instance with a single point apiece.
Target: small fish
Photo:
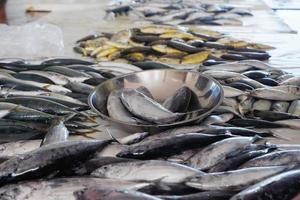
(207, 195)
(63, 188)
(134, 138)
(268, 81)
(274, 94)
(256, 74)
(217, 119)
(196, 57)
(149, 170)
(94, 193)
(241, 86)
(179, 101)
(294, 108)
(80, 87)
(65, 61)
(291, 81)
(277, 158)
(35, 163)
(283, 186)
(218, 151)
(262, 105)
(183, 46)
(140, 105)
(116, 109)
(273, 115)
(19, 112)
(222, 74)
(231, 180)
(257, 123)
(147, 65)
(169, 145)
(232, 162)
(281, 106)
(231, 92)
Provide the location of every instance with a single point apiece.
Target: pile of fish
(34, 95)
(181, 12)
(228, 156)
(168, 44)
(132, 106)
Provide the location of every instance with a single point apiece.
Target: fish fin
(112, 137)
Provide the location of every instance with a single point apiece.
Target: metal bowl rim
(90, 102)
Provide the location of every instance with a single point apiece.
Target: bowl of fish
(156, 99)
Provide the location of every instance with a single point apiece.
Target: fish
(283, 186)
(53, 77)
(274, 94)
(262, 105)
(207, 195)
(291, 81)
(150, 170)
(291, 123)
(80, 87)
(281, 106)
(251, 82)
(257, 123)
(117, 110)
(217, 119)
(147, 65)
(19, 112)
(294, 108)
(240, 86)
(232, 181)
(35, 163)
(62, 188)
(218, 151)
(196, 57)
(94, 193)
(232, 162)
(277, 158)
(169, 145)
(40, 104)
(179, 101)
(134, 138)
(268, 81)
(65, 61)
(57, 132)
(110, 150)
(87, 167)
(223, 74)
(140, 105)
(231, 92)
(183, 46)
(11, 149)
(256, 74)
(273, 115)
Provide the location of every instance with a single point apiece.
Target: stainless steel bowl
(208, 94)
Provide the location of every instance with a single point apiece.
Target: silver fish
(179, 101)
(281, 106)
(288, 157)
(230, 92)
(217, 119)
(231, 180)
(149, 170)
(294, 108)
(218, 151)
(292, 81)
(262, 104)
(283, 186)
(223, 74)
(145, 108)
(274, 94)
(116, 194)
(62, 188)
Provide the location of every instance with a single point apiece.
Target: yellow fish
(195, 58)
(167, 50)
